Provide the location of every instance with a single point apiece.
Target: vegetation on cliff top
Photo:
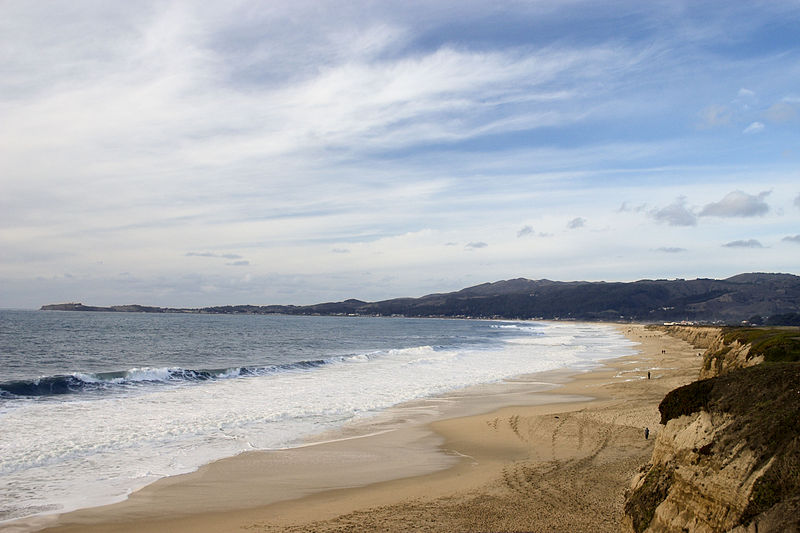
(774, 344)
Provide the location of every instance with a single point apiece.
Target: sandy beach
(547, 452)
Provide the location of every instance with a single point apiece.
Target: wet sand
(521, 456)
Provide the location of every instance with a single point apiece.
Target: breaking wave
(78, 382)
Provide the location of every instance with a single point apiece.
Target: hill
(731, 300)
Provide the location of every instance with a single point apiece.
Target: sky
(187, 154)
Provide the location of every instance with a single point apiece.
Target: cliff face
(701, 490)
(728, 457)
(697, 336)
(736, 348)
(722, 357)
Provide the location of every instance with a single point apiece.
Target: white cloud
(671, 249)
(476, 245)
(675, 214)
(738, 204)
(754, 127)
(746, 100)
(792, 238)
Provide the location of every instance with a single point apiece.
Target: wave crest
(79, 382)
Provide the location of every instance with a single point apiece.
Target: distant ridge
(751, 296)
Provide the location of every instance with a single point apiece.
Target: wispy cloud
(781, 112)
(476, 245)
(750, 243)
(754, 127)
(525, 231)
(792, 238)
(671, 250)
(626, 208)
(528, 231)
(210, 254)
(714, 116)
(576, 223)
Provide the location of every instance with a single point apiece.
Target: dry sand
(533, 460)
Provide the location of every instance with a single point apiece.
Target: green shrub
(686, 400)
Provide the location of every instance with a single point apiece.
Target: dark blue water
(41, 351)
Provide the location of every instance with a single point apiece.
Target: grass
(775, 344)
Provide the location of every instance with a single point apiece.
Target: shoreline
(426, 451)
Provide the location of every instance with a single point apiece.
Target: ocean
(96, 405)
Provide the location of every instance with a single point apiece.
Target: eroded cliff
(697, 336)
(728, 457)
(736, 348)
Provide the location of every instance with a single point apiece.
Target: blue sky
(187, 154)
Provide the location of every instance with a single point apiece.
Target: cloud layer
(174, 153)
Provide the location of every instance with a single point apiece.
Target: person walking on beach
(646, 433)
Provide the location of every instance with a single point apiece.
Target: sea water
(95, 405)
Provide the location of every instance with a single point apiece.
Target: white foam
(149, 374)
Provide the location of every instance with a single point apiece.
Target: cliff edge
(697, 336)
(728, 457)
(743, 347)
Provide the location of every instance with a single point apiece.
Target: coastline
(458, 462)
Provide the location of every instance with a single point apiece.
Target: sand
(547, 452)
